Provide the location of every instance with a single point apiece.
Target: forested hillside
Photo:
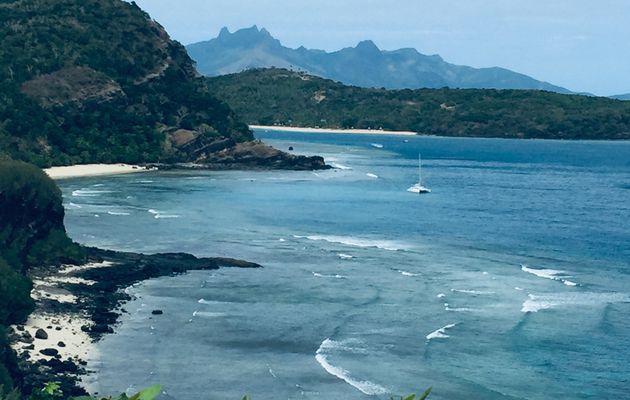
(282, 97)
(99, 81)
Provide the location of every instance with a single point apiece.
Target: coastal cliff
(57, 296)
(98, 81)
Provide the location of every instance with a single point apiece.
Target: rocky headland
(63, 296)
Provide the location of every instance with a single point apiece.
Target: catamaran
(418, 188)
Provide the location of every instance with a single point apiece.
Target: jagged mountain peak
(367, 45)
(363, 65)
(246, 36)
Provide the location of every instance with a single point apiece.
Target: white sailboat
(418, 188)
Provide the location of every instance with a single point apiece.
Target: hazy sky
(583, 45)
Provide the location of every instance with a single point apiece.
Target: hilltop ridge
(287, 98)
(364, 65)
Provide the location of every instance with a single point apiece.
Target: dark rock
(290, 148)
(157, 312)
(58, 328)
(41, 334)
(101, 328)
(29, 347)
(20, 328)
(256, 154)
(61, 344)
(26, 337)
(61, 367)
(224, 153)
(49, 352)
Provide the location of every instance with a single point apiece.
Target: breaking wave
(440, 333)
(321, 355)
(473, 292)
(535, 303)
(552, 274)
(357, 242)
(89, 192)
(337, 276)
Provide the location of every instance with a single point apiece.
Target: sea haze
(509, 281)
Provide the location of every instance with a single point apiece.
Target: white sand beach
(326, 130)
(84, 170)
(63, 327)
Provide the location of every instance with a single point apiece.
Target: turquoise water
(510, 281)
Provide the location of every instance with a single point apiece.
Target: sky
(583, 45)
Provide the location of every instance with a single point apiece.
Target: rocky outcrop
(224, 153)
(256, 154)
(101, 302)
(33, 242)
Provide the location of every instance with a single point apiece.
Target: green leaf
(426, 394)
(410, 397)
(150, 393)
(51, 388)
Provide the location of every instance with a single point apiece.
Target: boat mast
(419, 169)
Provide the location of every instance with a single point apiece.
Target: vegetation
(282, 97)
(98, 81)
(52, 391)
(422, 396)
(31, 233)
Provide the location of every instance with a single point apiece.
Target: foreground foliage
(282, 97)
(51, 392)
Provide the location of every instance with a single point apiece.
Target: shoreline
(76, 305)
(333, 130)
(87, 170)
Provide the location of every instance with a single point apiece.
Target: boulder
(41, 334)
(49, 352)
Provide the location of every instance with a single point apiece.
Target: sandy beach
(62, 328)
(84, 170)
(326, 130)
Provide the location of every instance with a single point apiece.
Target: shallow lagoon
(510, 280)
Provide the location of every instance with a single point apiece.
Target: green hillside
(99, 81)
(281, 97)
(31, 234)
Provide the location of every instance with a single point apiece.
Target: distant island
(364, 65)
(288, 98)
(621, 96)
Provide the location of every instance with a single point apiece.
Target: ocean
(511, 280)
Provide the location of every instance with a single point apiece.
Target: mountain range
(621, 96)
(364, 65)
